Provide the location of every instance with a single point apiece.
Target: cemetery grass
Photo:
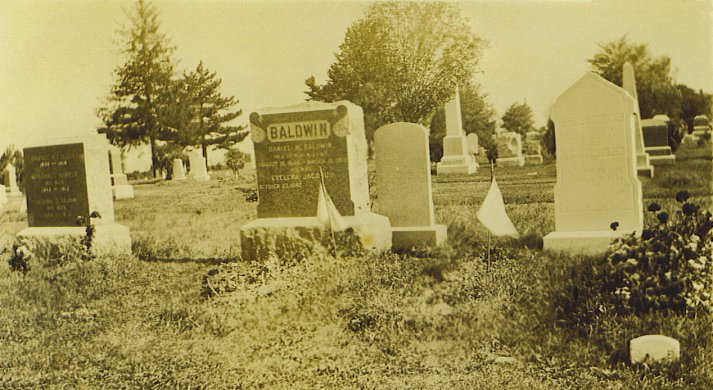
(442, 318)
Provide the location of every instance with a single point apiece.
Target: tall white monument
(643, 164)
(456, 157)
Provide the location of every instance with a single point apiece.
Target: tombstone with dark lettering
(292, 144)
(656, 141)
(597, 183)
(66, 179)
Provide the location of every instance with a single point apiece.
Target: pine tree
(135, 109)
(211, 112)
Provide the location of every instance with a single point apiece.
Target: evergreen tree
(210, 112)
(135, 110)
(518, 118)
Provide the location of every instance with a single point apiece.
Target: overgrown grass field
(186, 312)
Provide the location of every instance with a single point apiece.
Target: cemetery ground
(185, 312)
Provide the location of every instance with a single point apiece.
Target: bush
(666, 268)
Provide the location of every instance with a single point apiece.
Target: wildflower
(695, 265)
(663, 217)
(654, 207)
(632, 262)
(698, 286)
(682, 196)
(614, 226)
(689, 209)
(647, 234)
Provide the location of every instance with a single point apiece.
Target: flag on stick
(327, 212)
(492, 213)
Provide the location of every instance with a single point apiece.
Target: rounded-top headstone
(701, 120)
(472, 140)
(654, 347)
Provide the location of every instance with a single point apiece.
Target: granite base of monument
(109, 239)
(123, 192)
(588, 242)
(643, 166)
(511, 162)
(534, 159)
(660, 155)
(418, 236)
(453, 165)
(201, 178)
(263, 237)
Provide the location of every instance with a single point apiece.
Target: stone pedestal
(456, 158)
(199, 171)
(403, 182)
(656, 142)
(511, 161)
(509, 146)
(111, 239)
(178, 172)
(597, 183)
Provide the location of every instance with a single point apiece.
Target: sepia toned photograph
(314, 194)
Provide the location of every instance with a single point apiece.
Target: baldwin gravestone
(597, 183)
(65, 179)
(656, 141)
(643, 164)
(119, 185)
(456, 157)
(403, 182)
(291, 145)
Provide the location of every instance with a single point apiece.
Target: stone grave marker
(119, 185)
(654, 348)
(656, 141)
(701, 126)
(509, 146)
(472, 140)
(13, 191)
(643, 165)
(533, 148)
(597, 183)
(456, 157)
(403, 182)
(199, 171)
(179, 172)
(291, 145)
(65, 179)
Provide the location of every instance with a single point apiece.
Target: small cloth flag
(327, 212)
(492, 213)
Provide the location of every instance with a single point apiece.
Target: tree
(478, 117)
(518, 118)
(135, 109)
(211, 111)
(548, 138)
(655, 88)
(693, 104)
(400, 62)
(235, 160)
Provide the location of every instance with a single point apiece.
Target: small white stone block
(123, 192)
(419, 236)
(511, 162)
(655, 347)
(178, 172)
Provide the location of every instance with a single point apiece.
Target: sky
(57, 57)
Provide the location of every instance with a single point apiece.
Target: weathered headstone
(66, 179)
(178, 172)
(533, 148)
(654, 348)
(509, 145)
(597, 182)
(119, 185)
(199, 171)
(656, 141)
(701, 126)
(291, 145)
(403, 182)
(643, 165)
(472, 140)
(456, 158)
(11, 187)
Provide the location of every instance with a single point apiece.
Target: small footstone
(654, 347)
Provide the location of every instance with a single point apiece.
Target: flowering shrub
(20, 258)
(668, 267)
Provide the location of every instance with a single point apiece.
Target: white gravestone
(178, 172)
(119, 185)
(643, 164)
(597, 182)
(65, 179)
(654, 348)
(472, 140)
(456, 158)
(533, 148)
(198, 171)
(701, 126)
(509, 144)
(403, 181)
(11, 187)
